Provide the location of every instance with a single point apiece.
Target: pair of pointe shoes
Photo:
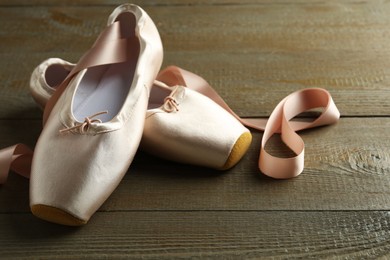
(96, 112)
(168, 133)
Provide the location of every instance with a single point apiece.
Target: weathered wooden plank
(347, 167)
(252, 90)
(272, 28)
(268, 51)
(269, 28)
(217, 235)
(166, 2)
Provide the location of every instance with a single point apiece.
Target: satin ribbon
(16, 158)
(109, 48)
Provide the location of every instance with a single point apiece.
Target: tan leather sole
(56, 215)
(239, 149)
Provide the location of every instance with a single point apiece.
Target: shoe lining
(106, 87)
(55, 74)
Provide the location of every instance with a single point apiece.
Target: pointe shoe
(187, 133)
(185, 126)
(95, 126)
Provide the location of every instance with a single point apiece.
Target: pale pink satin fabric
(16, 158)
(109, 48)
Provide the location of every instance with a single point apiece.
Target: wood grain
(270, 50)
(253, 52)
(347, 167)
(176, 2)
(216, 235)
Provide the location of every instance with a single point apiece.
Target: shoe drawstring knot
(170, 103)
(83, 127)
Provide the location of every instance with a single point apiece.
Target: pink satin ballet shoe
(93, 122)
(185, 126)
(280, 121)
(181, 124)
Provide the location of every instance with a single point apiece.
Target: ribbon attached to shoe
(17, 158)
(109, 48)
(279, 121)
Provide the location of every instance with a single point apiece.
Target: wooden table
(253, 53)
